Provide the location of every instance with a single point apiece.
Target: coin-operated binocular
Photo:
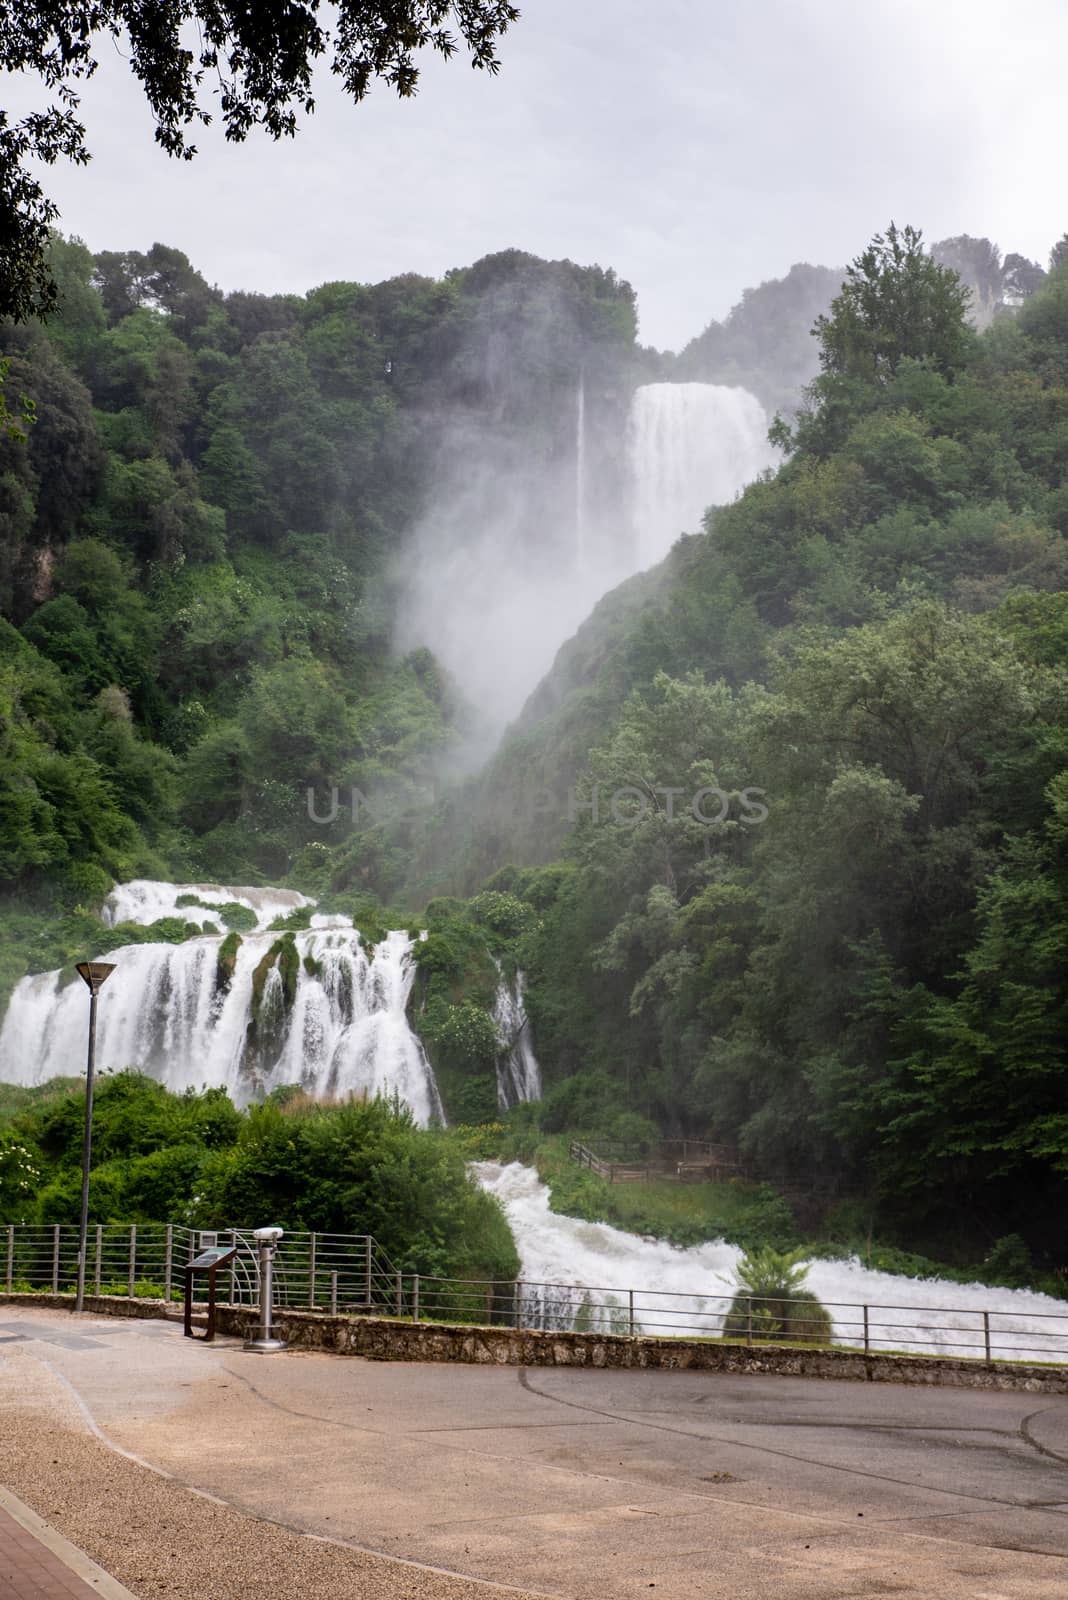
(263, 1339)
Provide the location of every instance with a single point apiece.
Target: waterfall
(689, 446)
(144, 901)
(521, 538)
(518, 1073)
(321, 1009)
(684, 1291)
(580, 474)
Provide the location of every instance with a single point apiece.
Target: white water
(683, 1291)
(517, 547)
(164, 1011)
(145, 901)
(518, 1072)
(580, 476)
(689, 446)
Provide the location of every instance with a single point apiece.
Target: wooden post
(168, 1263)
(10, 1256)
(749, 1319)
(333, 1294)
(630, 1296)
(415, 1298)
(311, 1272)
(133, 1258)
(866, 1344)
(55, 1259)
(986, 1333)
(97, 1265)
(367, 1253)
(400, 1295)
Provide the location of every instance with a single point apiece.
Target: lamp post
(95, 975)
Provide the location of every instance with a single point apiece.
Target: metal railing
(316, 1271)
(350, 1274)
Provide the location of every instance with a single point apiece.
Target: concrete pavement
(585, 1484)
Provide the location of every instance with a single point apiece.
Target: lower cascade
(518, 1073)
(245, 1012)
(581, 1275)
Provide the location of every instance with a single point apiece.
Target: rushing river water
(687, 1291)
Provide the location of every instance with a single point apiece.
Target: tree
(262, 56)
(1021, 277)
(1059, 254)
(896, 302)
(770, 1302)
(978, 264)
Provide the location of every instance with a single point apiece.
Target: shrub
(771, 1300)
(506, 914)
(1009, 1262)
(467, 1037)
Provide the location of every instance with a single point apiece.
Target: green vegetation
(197, 545)
(355, 1167)
(772, 1304)
(264, 63)
(849, 961)
(754, 1216)
(459, 966)
(870, 981)
(746, 1214)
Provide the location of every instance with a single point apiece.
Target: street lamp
(95, 974)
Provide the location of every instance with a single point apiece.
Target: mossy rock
(226, 961)
(271, 1005)
(233, 915)
(296, 921)
(283, 954)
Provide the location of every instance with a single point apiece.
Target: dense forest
(200, 535)
(204, 503)
(871, 982)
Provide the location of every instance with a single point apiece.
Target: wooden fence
(703, 1161)
(674, 1161)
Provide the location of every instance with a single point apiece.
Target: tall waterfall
(519, 541)
(689, 446)
(581, 552)
(318, 1007)
(518, 1072)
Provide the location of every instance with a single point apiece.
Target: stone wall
(389, 1339)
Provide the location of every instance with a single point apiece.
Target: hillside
(861, 975)
(779, 841)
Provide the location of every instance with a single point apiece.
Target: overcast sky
(696, 146)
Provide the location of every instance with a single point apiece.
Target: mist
(545, 495)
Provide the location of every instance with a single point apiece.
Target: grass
(16, 1098)
(746, 1214)
(683, 1207)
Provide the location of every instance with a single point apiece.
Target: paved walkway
(550, 1482)
(37, 1563)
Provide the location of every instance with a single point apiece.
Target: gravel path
(162, 1539)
